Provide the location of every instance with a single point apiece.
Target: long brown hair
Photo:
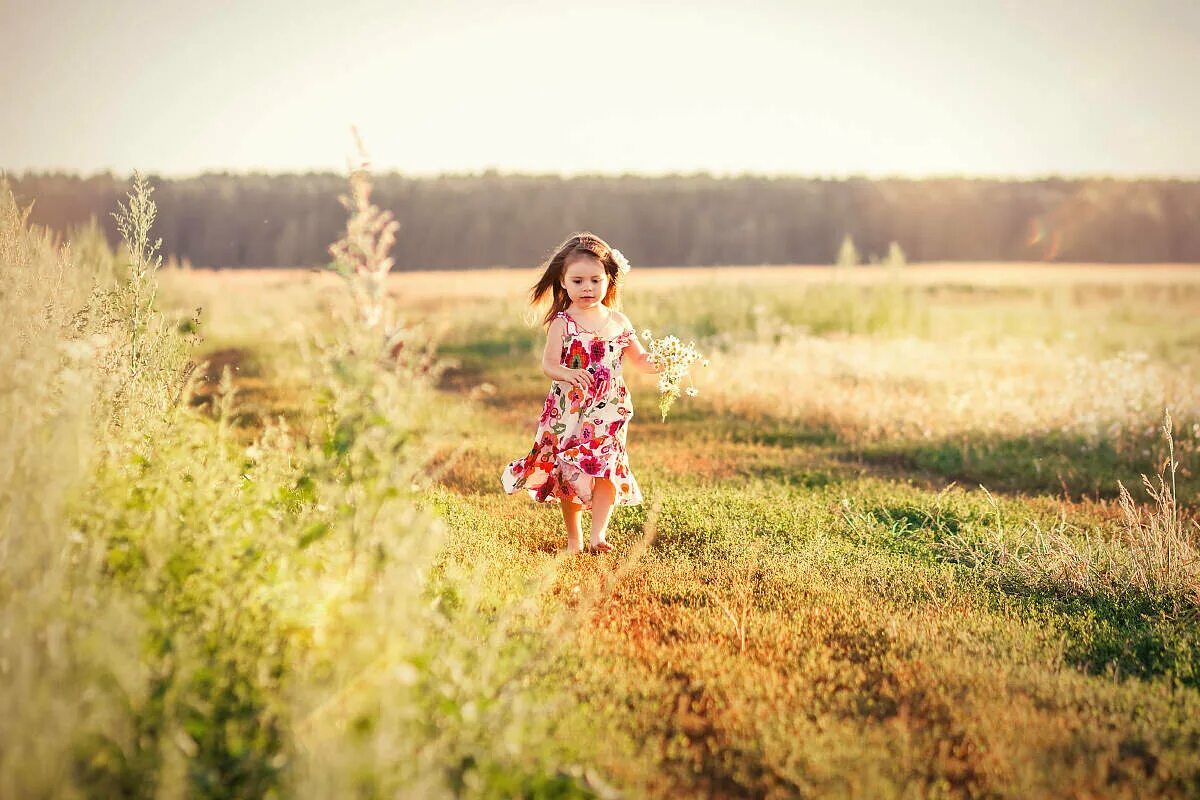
(582, 243)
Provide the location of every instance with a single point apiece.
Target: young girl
(579, 457)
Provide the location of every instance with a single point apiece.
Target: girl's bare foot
(599, 548)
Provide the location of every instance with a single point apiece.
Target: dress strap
(572, 328)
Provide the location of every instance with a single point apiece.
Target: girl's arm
(634, 353)
(552, 367)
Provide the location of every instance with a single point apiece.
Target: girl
(579, 457)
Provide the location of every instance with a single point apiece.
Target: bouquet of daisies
(674, 358)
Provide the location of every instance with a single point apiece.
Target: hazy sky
(912, 87)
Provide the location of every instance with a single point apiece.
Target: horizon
(491, 172)
(999, 91)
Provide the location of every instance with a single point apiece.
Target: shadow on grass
(1052, 463)
(504, 348)
(1138, 636)
(777, 434)
(1134, 633)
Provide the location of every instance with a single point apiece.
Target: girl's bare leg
(604, 494)
(572, 514)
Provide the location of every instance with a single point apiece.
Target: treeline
(460, 221)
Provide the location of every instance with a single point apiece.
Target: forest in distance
(494, 219)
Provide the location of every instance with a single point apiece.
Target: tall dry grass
(69, 371)
(1164, 544)
(1149, 556)
(873, 389)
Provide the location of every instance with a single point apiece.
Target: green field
(884, 553)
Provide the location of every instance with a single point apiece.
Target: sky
(914, 88)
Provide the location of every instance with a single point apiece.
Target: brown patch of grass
(257, 399)
(469, 471)
(713, 710)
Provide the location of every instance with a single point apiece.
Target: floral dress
(581, 433)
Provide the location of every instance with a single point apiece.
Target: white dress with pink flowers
(581, 433)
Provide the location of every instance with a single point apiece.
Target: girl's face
(585, 280)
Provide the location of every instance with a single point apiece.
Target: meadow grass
(828, 607)
(292, 572)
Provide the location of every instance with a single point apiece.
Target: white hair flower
(622, 262)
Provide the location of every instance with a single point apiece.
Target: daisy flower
(674, 359)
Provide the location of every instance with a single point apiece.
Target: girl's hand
(579, 378)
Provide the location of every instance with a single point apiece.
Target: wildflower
(673, 359)
(691, 391)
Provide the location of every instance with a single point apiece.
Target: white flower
(622, 262)
(673, 358)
